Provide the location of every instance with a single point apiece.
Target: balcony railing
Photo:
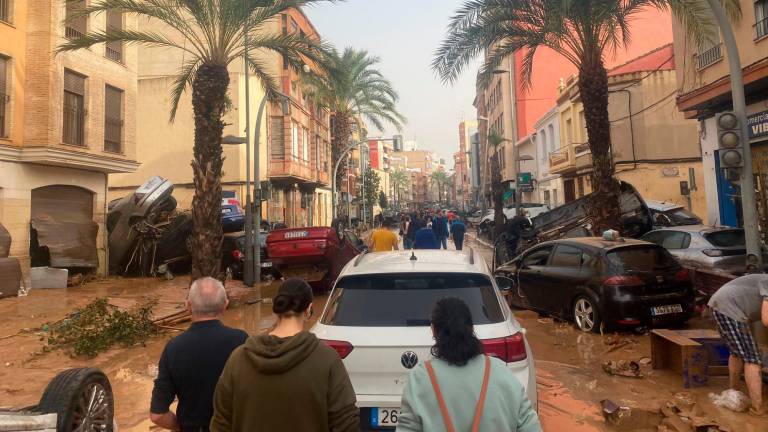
(71, 32)
(559, 158)
(290, 168)
(114, 51)
(709, 56)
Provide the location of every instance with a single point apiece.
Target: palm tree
(211, 34)
(582, 31)
(353, 89)
(440, 179)
(399, 179)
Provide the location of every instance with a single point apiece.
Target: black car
(233, 257)
(592, 281)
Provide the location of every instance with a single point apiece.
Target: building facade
(66, 121)
(549, 186)
(462, 179)
(653, 146)
(704, 81)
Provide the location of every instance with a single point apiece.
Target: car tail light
(509, 349)
(713, 252)
(236, 254)
(682, 276)
(623, 281)
(341, 347)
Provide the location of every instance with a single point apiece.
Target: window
(580, 185)
(671, 240)
(537, 258)
(75, 27)
(569, 131)
(546, 198)
(640, 258)
(566, 256)
(552, 146)
(761, 18)
(294, 141)
(114, 50)
(113, 119)
(277, 142)
(406, 300)
(305, 145)
(74, 108)
(5, 10)
(726, 238)
(318, 152)
(4, 95)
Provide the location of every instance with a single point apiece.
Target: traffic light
(397, 143)
(729, 140)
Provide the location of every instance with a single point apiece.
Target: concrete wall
(661, 182)
(16, 184)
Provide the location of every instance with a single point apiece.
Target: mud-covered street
(570, 378)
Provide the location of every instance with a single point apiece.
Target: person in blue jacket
(440, 227)
(458, 229)
(425, 238)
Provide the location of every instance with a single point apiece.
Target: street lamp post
(518, 189)
(748, 200)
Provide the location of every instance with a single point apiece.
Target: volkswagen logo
(409, 359)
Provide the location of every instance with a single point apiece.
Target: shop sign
(758, 124)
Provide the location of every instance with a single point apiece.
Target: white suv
(378, 319)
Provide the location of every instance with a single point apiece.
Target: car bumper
(637, 311)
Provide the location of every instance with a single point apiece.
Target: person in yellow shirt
(384, 239)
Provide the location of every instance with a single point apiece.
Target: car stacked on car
(378, 319)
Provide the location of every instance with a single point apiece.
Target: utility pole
(748, 199)
(250, 268)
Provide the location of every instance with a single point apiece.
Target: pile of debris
(681, 414)
(10, 269)
(147, 235)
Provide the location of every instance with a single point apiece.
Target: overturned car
(571, 220)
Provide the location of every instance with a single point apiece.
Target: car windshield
(726, 238)
(406, 300)
(640, 258)
(683, 217)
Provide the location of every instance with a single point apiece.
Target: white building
(546, 139)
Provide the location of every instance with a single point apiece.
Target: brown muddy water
(570, 379)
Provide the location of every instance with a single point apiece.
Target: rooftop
(662, 58)
(427, 261)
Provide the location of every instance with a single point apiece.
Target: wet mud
(570, 377)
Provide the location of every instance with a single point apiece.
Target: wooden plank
(674, 337)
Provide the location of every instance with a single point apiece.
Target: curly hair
(455, 340)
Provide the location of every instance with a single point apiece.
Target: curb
(482, 242)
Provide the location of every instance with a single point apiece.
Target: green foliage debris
(99, 325)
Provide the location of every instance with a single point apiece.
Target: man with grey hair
(192, 362)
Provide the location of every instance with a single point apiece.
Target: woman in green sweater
(462, 390)
(286, 380)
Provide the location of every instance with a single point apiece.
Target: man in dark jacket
(410, 234)
(192, 362)
(440, 227)
(458, 229)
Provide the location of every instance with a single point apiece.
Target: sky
(405, 35)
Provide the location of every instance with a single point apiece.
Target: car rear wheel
(585, 314)
(82, 399)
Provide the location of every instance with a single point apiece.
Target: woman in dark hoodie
(286, 380)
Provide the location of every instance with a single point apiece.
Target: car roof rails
(471, 256)
(360, 257)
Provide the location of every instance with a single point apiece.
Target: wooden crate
(682, 353)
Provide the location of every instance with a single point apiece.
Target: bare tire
(82, 399)
(585, 314)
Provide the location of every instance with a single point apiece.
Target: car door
(532, 278)
(563, 278)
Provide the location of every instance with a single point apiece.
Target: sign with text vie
(758, 124)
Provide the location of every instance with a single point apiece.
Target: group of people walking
(288, 380)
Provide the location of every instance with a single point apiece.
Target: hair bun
(281, 304)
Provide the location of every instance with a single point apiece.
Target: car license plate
(384, 416)
(666, 309)
(266, 264)
(296, 234)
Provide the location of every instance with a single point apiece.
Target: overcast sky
(405, 35)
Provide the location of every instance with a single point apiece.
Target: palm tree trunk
(341, 131)
(593, 89)
(497, 195)
(209, 91)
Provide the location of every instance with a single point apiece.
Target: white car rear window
(406, 300)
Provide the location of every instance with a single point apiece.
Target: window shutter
(74, 83)
(277, 142)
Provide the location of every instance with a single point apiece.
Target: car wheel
(585, 314)
(82, 400)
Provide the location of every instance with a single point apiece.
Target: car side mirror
(505, 283)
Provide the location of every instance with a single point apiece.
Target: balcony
(570, 158)
(709, 56)
(298, 170)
